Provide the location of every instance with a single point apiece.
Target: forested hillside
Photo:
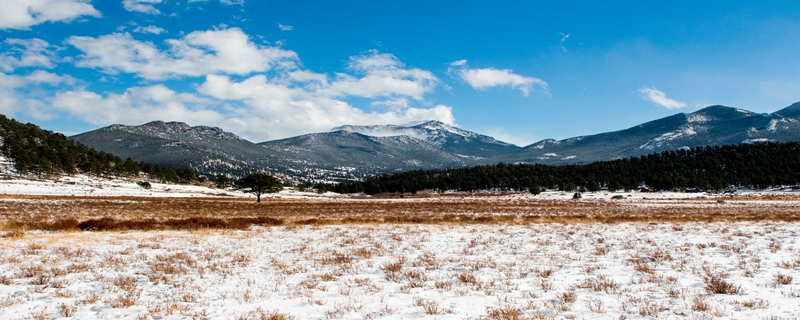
(759, 165)
(38, 151)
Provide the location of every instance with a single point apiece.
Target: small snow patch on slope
(659, 141)
(698, 118)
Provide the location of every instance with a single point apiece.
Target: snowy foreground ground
(535, 271)
(733, 269)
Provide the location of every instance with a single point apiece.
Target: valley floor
(305, 256)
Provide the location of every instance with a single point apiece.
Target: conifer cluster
(760, 165)
(37, 151)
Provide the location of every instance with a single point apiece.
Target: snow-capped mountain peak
(438, 133)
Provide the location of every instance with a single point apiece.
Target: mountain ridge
(354, 152)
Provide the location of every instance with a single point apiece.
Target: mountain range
(356, 152)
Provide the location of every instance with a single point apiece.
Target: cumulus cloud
(257, 108)
(271, 96)
(143, 6)
(383, 76)
(481, 79)
(285, 27)
(136, 105)
(26, 53)
(20, 94)
(660, 98)
(227, 51)
(149, 29)
(290, 111)
(22, 14)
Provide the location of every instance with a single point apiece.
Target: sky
(520, 71)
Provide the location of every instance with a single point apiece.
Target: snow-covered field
(744, 270)
(469, 257)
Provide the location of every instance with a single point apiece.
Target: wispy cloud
(660, 98)
(285, 27)
(22, 53)
(143, 6)
(149, 29)
(481, 79)
(564, 36)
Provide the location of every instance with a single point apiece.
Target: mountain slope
(342, 152)
(714, 125)
(355, 152)
(447, 137)
(175, 144)
(340, 155)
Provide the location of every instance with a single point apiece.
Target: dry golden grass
(55, 213)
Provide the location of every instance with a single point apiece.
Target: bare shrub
(782, 279)
(595, 305)
(67, 310)
(699, 304)
(126, 283)
(568, 296)
(503, 313)
(715, 283)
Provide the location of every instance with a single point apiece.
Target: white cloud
(660, 98)
(480, 79)
(137, 105)
(22, 14)
(149, 29)
(143, 6)
(26, 53)
(227, 51)
(564, 36)
(285, 27)
(276, 100)
(272, 111)
(384, 76)
(255, 108)
(21, 94)
(225, 2)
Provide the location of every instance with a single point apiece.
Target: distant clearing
(148, 213)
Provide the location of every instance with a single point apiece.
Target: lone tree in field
(259, 183)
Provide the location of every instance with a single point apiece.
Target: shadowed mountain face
(356, 152)
(340, 155)
(343, 152)
(715, 125)
(175, 144)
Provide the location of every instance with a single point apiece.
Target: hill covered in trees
(759, 165)
(37, 151)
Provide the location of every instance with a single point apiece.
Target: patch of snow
(757, 140)
(698, 118)
(656, 142)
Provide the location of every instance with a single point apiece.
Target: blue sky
(521, 71)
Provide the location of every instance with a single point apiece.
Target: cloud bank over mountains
(221, 76)
(261, 91)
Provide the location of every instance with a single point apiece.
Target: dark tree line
(42, 152)
(760, 165)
